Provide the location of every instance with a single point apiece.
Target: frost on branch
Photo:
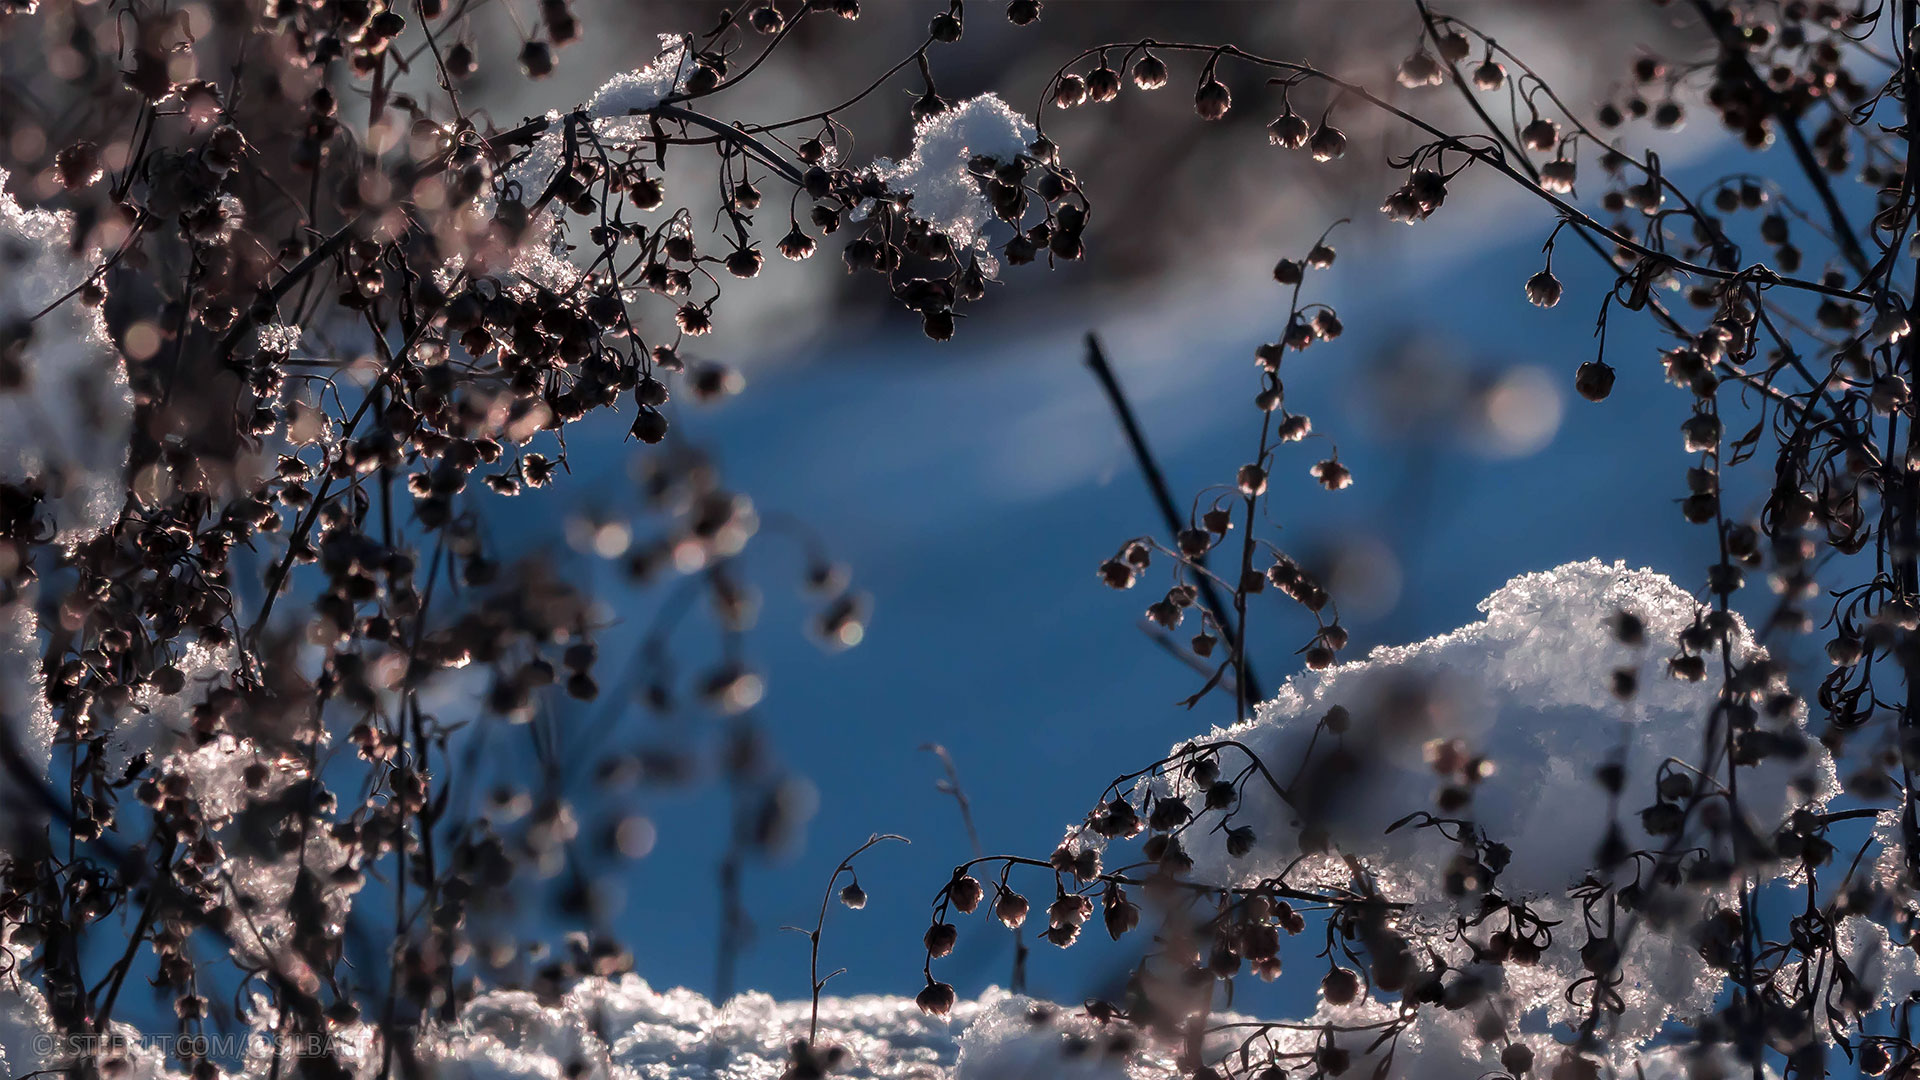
(65, 412)
(940, 175)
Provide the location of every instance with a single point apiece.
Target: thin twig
(813, 936)
(1163, 498)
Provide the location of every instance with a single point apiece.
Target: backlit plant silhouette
(276, 326)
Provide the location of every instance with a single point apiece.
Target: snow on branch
(643, 88)
(940, 173)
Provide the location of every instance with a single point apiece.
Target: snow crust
(623, 1029)
(1528, 688)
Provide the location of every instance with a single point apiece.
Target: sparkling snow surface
(939, 173)
(1530, 689)
(65, 430)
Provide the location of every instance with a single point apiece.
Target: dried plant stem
(1163, 498)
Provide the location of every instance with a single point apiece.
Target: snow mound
(1529, 691)
(623, 1029)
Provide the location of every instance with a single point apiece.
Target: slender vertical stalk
(1163, 498)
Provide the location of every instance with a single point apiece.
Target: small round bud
(1420, 69)
(1332, 475)
(1149, 72)
(744, 262)
(965, 892)
(1071, 90)
(936, 1000)
(1340, 987)
(1103, 83)
(649, 427)
(1540, 134)
(940, 938)
(1289, 131)
(1213, 99)
(1543, 289)
(1328, 142)
(767, 19)
(1010, 908)
(1594, 380)
(536, 59)
(1701, 432)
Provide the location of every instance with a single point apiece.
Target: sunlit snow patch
(1530, 689)
(939, 172)
(65, 413)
